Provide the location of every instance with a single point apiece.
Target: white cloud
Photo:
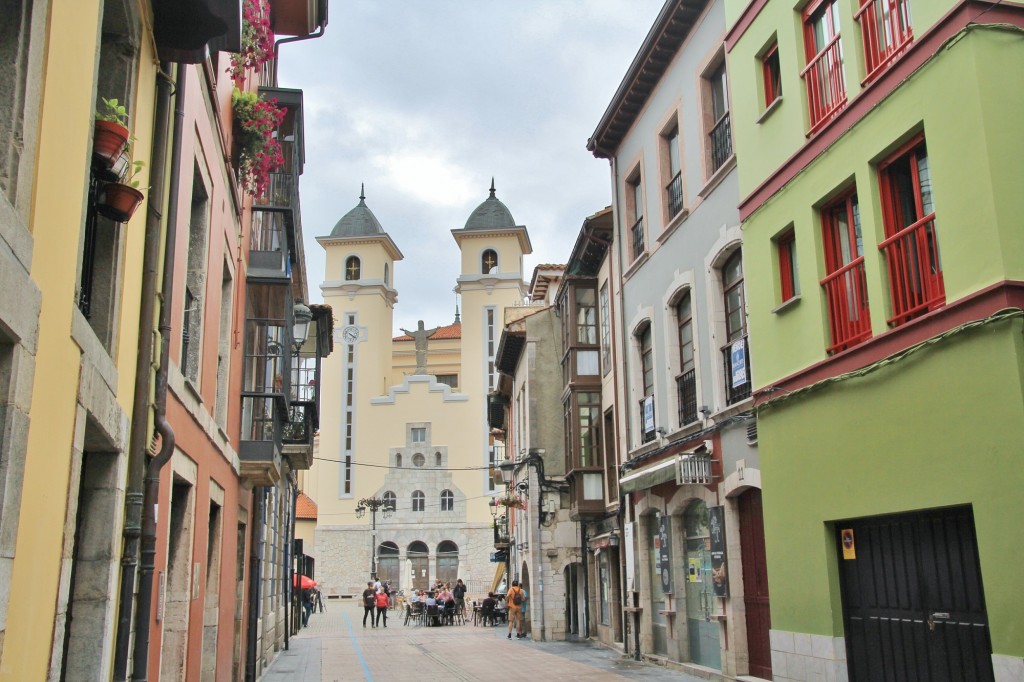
(424, 102)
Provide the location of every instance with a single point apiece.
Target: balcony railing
(674, 195)
(736, 391)
(826, 87)
(915, 271)
(721, 142)
(637, 232)
(299, 427)
(280, 192)
(885, 28)
(846, 296)
(258, 417)
(686, 388)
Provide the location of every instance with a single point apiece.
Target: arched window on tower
(390, 500)
(418, 501)
(447, 500)
(387, 275)
(489, 261)
(352, 268)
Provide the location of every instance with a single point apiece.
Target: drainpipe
(151, 487)
(321, 29)
(255, 580)
(289, 547)
(144, 366)
(585, 556)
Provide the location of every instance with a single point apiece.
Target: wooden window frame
(785, 243)
(771, 73)
(883, 36)
(822, 106)
(845, 288)
(914, 290)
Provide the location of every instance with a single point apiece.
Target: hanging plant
(511, 500)
(257, 40)
(259, 152)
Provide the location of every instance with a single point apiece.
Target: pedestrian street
(335, 648)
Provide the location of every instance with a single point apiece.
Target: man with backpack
(515, 598)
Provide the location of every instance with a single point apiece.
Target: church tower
(490, 280)
(357, 285)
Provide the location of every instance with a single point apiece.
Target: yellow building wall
(57, 225)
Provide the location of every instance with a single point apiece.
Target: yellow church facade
(403, 418)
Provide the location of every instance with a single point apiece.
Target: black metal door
(913, 602)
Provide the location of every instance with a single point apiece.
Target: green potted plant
(110, 133)
(119, 200)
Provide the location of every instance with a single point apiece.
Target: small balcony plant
(110, 133)
(119, 200)
(259, 152)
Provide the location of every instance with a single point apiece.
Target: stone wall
(343, 554)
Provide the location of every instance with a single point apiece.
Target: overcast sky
(426, 100)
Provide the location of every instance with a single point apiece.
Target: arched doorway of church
(419, 557)
(387, 563)
(448, 562)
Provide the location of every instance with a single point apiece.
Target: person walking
(382, 608)
(514, 600)
(369, 602)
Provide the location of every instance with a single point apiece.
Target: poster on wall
(665, 554)
(648, 408)
(738, 354)
(719, 557)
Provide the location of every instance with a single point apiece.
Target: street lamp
(302, 316)
(373, 504)
(507, 469)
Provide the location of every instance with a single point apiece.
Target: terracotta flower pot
(109, 140)
(118, 202)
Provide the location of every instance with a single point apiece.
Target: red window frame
(823, 75)
(911, 245)
(844, 283)
(786, 243)
(772, 74)
(886, 32)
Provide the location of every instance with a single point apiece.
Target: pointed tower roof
(359, 222)
(490, 215)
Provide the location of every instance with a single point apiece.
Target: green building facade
(879, 146)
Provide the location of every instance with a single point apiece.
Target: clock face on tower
(350, 334)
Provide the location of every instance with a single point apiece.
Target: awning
(498, 575)
(647, 477)
(184, 29)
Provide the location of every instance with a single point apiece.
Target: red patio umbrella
(302, 582)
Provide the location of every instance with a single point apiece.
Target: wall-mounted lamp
(506, 467)
(302, 316)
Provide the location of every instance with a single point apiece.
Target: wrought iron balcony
(674, 195)
(686, 389)
(721, 142)
(637, 232)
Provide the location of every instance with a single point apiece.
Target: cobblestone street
(336, 647)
